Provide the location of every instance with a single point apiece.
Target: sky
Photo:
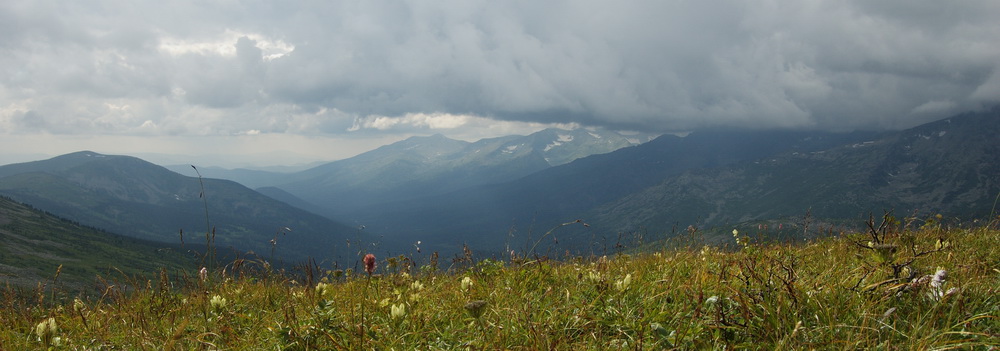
(236, 83)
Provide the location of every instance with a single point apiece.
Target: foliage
(829, 293)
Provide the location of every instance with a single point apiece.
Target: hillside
(135, 198)
(936, 290)
(949, 166)
(36, 245)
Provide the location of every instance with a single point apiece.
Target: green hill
(132, 197)
(35, 245)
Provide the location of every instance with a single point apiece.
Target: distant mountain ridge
(717, 177)
(423, 166)
(504, 192)
(950, 166)
(135, 198)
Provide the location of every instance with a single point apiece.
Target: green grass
(829, 293)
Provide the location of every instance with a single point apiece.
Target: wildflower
(939, 277)
(712, 300)
(594, 276)
(218, 302)
(321, 289)
(624, 283)
(397, 311)
(78, 305)
(736, 233)
(46, 331)
(475, 308)
(417, 285)
(203, 274)
(369, 261)
(466, 283)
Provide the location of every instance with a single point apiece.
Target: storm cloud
(341, 67)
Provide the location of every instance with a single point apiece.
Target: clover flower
(466, 283)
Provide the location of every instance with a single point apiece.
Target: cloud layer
(338, 67)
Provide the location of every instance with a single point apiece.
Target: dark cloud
(223, 67)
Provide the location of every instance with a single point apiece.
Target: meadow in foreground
(930, 287)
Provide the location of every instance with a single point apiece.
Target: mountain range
(505, 193)
(426, 165)
(717, 177)
(950, 166)
(135, 198)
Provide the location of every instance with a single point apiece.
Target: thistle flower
(466, 283)
(369, 261)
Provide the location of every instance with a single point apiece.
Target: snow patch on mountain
(560, 139)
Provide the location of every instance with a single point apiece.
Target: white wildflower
(218, 302)
(47, 330)
(624, 283)
(417, 285)
(203, 274)
(398, 311)
(322, 289)
(939, 278)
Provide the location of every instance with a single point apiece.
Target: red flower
(369, 263)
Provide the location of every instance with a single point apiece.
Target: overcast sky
(322, 80)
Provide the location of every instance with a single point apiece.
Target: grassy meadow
(892, 287)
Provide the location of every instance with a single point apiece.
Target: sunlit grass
(829, 293)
